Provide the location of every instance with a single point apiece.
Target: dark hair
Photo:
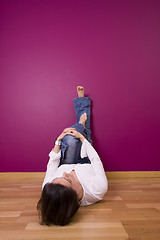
(58, 204)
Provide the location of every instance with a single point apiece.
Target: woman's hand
(64, 133)
(75, 133)
(70, 131)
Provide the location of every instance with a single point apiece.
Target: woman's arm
(54, 158)
(52, 166)
(99, 183)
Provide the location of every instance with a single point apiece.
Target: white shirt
(91, 176)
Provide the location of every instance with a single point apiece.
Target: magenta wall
(49, 47)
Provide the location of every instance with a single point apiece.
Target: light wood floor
(130, 210)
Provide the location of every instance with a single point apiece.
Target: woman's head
(69, 180)
(58, 204)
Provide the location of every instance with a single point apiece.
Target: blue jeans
(71, 146)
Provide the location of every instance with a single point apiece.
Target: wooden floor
(130, 210)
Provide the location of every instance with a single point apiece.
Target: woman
(75, 175)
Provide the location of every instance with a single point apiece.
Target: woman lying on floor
(75, 175)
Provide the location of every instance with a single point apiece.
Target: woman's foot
(83, 119)
(80, 91)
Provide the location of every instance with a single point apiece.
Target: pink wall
(49, 47)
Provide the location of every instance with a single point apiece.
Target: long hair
(57, 204)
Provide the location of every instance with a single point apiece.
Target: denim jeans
(71, 146)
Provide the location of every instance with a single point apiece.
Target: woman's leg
(71, 146)
(82, 105)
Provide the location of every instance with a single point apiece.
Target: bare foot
(83, 119)
(80, 91)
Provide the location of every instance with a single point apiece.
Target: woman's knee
(70, 140)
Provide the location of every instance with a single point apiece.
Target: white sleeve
(53, 163)
(99, 183)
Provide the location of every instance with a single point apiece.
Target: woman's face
(68, 180)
